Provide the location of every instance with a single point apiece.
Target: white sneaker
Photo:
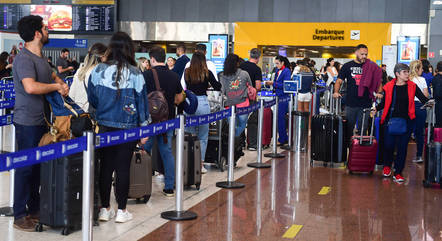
(418, 160)
(159, 176)
(106, 215)
(203, 170)
(123, 217)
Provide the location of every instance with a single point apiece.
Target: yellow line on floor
(292, 231)
(324, 190)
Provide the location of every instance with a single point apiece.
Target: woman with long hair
(78, 90)
(143, 64)
(427, 73)
(197, 78)
(418, 124)
(282, 74)
(117, 91)
(331, 70)
(399, 110)
(234, 83)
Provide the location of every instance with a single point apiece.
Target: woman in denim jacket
(117, 91)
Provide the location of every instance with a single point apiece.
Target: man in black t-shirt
(352, 73)
(255, 76)
(170, 84)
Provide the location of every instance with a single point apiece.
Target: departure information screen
(80, 18)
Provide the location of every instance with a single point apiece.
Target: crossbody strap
(155, 77)
(394, 101)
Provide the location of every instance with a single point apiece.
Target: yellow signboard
(15, 1)
(250, 35)
(94, 2)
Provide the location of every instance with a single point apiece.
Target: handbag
(66, 127)
(396, 125)
(251, 92)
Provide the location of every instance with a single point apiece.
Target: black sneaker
(168, 192)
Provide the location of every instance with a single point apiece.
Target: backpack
(158, 107)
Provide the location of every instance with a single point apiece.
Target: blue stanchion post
(179, 213)
(259, 163)
(88, 187)
(230, 183)
(275, 153)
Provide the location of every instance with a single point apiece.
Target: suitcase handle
(430, 124)
(364, 112)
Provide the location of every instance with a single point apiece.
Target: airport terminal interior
(297, 170)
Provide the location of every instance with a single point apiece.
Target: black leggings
(115, 158)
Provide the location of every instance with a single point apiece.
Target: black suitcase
(61, 193)
(252, 130)
(328, 138)
(433, 164)
(192, 151)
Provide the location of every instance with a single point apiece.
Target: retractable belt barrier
(36, 155)
(87, 144)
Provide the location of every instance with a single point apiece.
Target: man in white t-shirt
(210, 65)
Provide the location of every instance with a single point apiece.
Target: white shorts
(307, 97)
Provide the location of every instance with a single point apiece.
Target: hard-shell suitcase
(267, 127)
(61, 189)
(363, 151)
(140, 186)
(433, 153)
(252, 130)
(192, 161)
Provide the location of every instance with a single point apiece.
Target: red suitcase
(267, 127)
(437, 134)
(363, 151)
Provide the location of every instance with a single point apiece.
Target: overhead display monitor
(408, 49)
(80, 17)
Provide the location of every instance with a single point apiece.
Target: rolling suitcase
(61, 187)
(267, 127)
(363, 151)
(433, 152)
(192, 161)
(140, 185)
(252, 130)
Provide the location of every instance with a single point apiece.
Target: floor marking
(292, 231)
(324, 191)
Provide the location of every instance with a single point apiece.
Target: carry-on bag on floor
(327, 138)
(267, 127)
(192, 161)
(61, 194)
(140, 186)
(252, 130)
(432, 159)
(363, 151)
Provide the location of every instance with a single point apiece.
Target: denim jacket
(125, 107)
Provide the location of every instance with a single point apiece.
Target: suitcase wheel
(426, 183)
(146, 198)
(371, 173)
(350, 172)
(65, 231)
(222, 164)
(198, 186)
(39, 227)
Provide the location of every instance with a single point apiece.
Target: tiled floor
(358, 207)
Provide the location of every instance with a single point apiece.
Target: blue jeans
(401, 143)
(418, 126)
(27, 179)
(282, 129)
(241, 123)
(354, 114)
(202, 131)
(167, 156)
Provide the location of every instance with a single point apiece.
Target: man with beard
(33, 77)
(355, 103)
